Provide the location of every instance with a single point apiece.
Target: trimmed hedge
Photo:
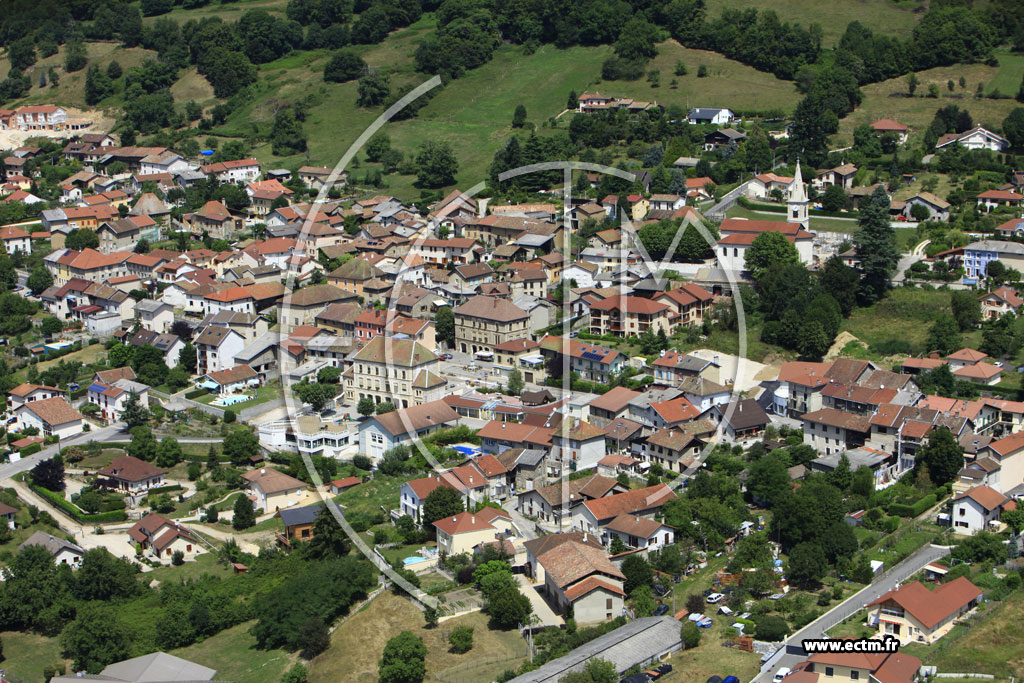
(73, 512)
(31, 448)
(903, 510)
(166, 489)
(196, 393)
(757, 206)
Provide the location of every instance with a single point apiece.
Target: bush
(30, 449)
(229, 416)
(903, 510)
(771, 628)
(177, 558)
(690, 633)
(196, 393)
(461, 639)
(72, 511)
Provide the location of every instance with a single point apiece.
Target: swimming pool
(413, 560)
(231, 400)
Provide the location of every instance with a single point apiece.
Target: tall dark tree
(329, 538)
(942, 455)
(875, 241)
(49, 474)
(442, 502)
(244, 515)
(134, 413)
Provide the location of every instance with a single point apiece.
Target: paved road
(114, 432)
(907, 260)
(883, 584)
(526, 528)
(726, 202)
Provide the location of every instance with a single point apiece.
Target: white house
(640, 532)
(51, 416)
(271, 490)
(132, 476)
(26, 393)
(63, 552)
(979, 509)
(236, 171)
(378, 434)
(162, 537)
(975, 138)
(216, 348)
(111, 398)
(15, 239)
(713, 116)
(157, 316)
(40, 117)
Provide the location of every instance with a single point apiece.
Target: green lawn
(816, 223)
(892, 550)
(233, 653)
(381, 491)
(904, 314)
(1011, 71)
(204, 564)
(27, 654)
(265, 393)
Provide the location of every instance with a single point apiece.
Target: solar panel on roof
(590, 355)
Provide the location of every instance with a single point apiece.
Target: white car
(780, 674)
(715, 597)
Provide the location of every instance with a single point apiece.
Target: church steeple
(798, 202)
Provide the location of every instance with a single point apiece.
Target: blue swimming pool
(413, 560)
(232, 400)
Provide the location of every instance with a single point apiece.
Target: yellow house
(860, 667)
(462, 532)
(913, 613)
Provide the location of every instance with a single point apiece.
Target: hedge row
(166, 489)
(903, 510)
(31, 448)
(196, 393)
(72, 511)
(755, 206)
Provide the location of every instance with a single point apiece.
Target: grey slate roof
(637, 642)
(303, 515)
(158, 667)
(52, 544)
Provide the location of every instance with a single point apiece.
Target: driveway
(881, 585)
(114, 432)
(526, 528)
(541, 609)
(907, 260)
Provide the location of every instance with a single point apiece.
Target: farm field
(233, 653)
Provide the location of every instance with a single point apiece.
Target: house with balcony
(914, 614)
(979, 509)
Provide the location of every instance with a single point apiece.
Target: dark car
(709, 592)
(661, 609)
(636, 678)
(660, 590)
(659, 671)
(446, 356)
(715, 679)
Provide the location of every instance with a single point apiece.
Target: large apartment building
(484, 321)
(401, 371)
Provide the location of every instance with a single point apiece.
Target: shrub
(177, 558)
(461, 639)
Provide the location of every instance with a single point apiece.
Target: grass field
(357, 644)
(904, 314)
(883, 16)
(728, 83)
(27, 654)
(710, 658)
(887, 100)
(1011, 71)
(204, 564)
(371, 495)
(234, 655)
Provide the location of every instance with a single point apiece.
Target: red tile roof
(631, 502)
(932, 607)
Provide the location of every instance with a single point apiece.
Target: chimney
(584, 536)
(472, 520)
(263, 470)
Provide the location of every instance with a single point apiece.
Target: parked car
(446, 356)
(636, 678)
(659, 671)
(780, 674)
(730, 679)
(660, 610)
(660, 590)
(715, 679)
(715, 597)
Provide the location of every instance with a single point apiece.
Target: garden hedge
(31, 448)
(72, 511)
(904, 510)
(196, 393)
